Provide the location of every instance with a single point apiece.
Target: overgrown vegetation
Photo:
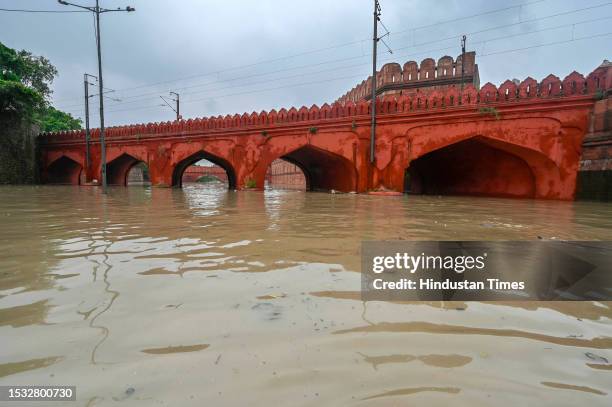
(250, 183)
(207, 179)
(313, 130)
(25, 90)
(490, 111)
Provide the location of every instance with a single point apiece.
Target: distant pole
(85, 84)
(462, 59)
(373, 101)
(87, 132)
(178, 106)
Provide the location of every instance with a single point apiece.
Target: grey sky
(201, 40)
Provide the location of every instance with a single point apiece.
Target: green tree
(18, 100)
(25, 81)
(56, 120)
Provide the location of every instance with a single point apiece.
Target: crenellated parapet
(413, 77)
(549, 88)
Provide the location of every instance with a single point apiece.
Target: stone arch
(323, 169)
(181, 166)
(63, 171)
(288, 178)
(471, 167)
(498, 156)
(117, 170)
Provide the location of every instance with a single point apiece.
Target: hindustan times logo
(405, 261)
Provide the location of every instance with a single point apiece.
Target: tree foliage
(18, 100)
(25, 88)
(56, 120)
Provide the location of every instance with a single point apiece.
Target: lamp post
(97, 10)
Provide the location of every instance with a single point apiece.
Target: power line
(332, 47)
(355, 65)
(155, 94)
(354, 76)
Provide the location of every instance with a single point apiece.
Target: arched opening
(138, 175)
(64, 171)
(204, 169)
(470, 167)
(126, 170)
(322, 170)
(205, 172)
(283, 174)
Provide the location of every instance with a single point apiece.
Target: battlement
(412, 77)
(549, 88)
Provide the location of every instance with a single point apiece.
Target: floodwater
(200, 296)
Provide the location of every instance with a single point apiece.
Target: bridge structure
(194, 172)
(519, 139)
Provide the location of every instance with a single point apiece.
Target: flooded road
(200, 296)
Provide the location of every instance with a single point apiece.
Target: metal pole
(462, 60)
(101, 86)
(178, 106)
(87, 136)
(373, 101)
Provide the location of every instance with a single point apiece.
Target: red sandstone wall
(597, 146)
(542, 123)
(550, 87)
(414, 78)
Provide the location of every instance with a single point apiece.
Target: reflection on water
(202, 295)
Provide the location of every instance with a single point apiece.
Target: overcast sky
(233, 56)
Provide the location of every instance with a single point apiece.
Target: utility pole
(375, 39)
(86, 84)
(177, 104)
(462, 60)
(97, 10)
(373, 100)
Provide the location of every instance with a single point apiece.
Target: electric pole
(177, 104)
(373, 101)
(375, 39)
(97, 10)
(86, 84)
(462, 60)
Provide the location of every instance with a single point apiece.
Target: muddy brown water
(201, 296)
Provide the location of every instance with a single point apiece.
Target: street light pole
(97, 11)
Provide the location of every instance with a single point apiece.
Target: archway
(323, 170)
(470, 167)
(204, 168)
(284, 174)
(126, 170)
(138, 175)
(64, 171)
